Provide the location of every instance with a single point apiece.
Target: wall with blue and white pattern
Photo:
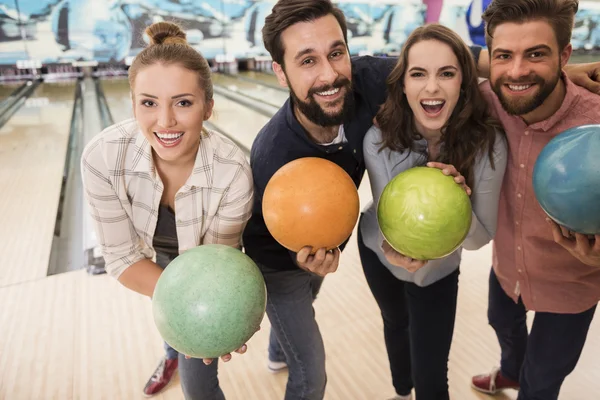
(110, 31)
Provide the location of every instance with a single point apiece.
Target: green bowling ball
(209, 301)
(424, 214)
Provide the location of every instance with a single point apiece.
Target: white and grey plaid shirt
(123, 191)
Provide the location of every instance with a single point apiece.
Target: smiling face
(170, 108)
(432, 85)
(317, 70)
(526, 65)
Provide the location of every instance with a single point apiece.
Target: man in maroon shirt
(536, 267)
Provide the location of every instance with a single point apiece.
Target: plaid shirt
(123, 191)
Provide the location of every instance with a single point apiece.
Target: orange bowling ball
(310, 202)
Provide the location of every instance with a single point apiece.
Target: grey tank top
(165, 235)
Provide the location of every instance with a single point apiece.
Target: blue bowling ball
(566, 179)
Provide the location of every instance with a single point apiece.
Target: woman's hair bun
(165, 33)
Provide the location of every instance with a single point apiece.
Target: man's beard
(313, 111)
(525, 105)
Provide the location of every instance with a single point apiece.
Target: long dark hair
(468, 132)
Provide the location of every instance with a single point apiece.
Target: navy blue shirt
(283, 139)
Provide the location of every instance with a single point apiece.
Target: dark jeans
(542, 360)
(275, 351)
(295, 335)
(418, 324)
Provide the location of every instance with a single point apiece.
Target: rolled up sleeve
(119, 242)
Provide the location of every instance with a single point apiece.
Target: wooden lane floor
(256, 90)
(76, 336)
(266, 77)
(118, 97)
(7, 88)
(33, 146)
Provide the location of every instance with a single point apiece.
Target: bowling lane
(235, 120)
(33, 146)
(269, 79)
(7, 88)
(116, 91)
(264, 93)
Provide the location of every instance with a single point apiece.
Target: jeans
(541, 360)
(295, 335)
(418, 325)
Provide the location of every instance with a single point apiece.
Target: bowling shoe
(162, 376)
(399, 397)
(276, 366)
(493, 382)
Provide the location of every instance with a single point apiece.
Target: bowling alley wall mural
(110, 31)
